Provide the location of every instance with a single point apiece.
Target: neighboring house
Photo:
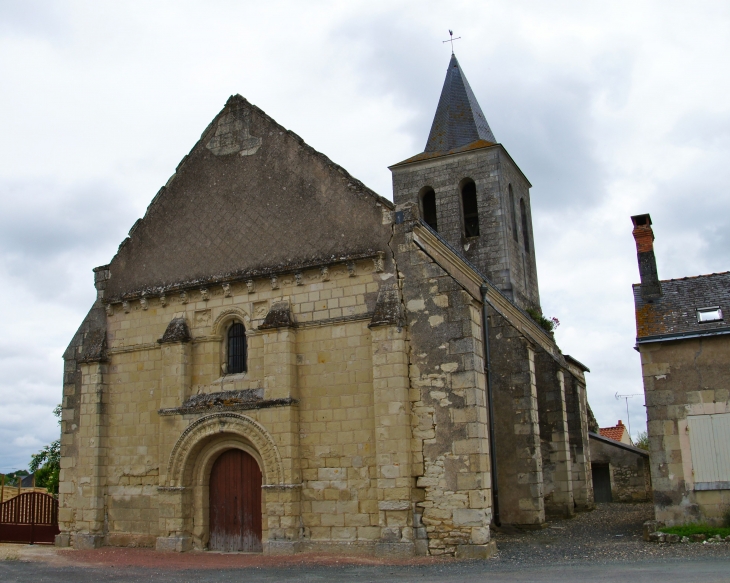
(345, 373)
(620, 470)
(683, 336)
(617, 433)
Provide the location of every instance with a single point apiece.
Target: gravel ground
(612, 532)
(600, 547)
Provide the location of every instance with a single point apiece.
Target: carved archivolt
(223, 426)
(219, 326)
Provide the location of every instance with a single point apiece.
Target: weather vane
(451, 40)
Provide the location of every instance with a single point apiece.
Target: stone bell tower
(470, 191)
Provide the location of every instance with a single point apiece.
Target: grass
(690, 529)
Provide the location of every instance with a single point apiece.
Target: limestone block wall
(519, 459)
(555, 447)
(122, 489)
(448, 400)
(629, 471)
(576, 404)
(683, 378)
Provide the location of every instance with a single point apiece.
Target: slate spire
(459, 119)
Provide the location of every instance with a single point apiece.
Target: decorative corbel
(325, 273)
(299, 278)
(143, 302)
(351, 268)
(378, 262)
(163, 300)
(183, 297)
(204, 294)
(274, 282)
(125, 307)
(109, 310)
(227, 291)
(250, 286)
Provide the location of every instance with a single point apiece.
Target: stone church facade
(279, 359)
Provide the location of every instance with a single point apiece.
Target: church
(281, 360)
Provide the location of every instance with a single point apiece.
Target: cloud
(608, 115)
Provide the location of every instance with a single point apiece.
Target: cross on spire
(451, 40)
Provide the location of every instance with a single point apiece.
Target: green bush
(690, 529)
(547, 324)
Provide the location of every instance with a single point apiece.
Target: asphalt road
(706, 570)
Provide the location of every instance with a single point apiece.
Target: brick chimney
(651, 287)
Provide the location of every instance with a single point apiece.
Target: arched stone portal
(185, 498)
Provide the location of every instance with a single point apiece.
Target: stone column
(175, 515)
(577, 414)
(557, 467)
(392, 439)
(282, 501)
(519, 462)
(91, 468)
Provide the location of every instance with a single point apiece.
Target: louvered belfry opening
(428, 204)
(235, 503)
(471, 210)
(236, 349)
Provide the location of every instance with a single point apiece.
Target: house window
(428, 207)
(708, 439)
(512, 212)
(471, 211)
(236, 349)
(713, 314)
(525, 234)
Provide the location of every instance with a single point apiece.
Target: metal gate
(29, 518)
(601, 483)
(235, 503)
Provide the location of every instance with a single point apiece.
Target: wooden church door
(235, 503)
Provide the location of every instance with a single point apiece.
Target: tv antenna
(451, 40)
(627, 397)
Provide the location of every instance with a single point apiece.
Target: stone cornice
(245, 276)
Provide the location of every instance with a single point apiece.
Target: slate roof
(459, 120)
(674, 315)
(250, 197)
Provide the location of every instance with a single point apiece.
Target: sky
(610, 108)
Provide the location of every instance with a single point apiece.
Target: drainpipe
(490, 403)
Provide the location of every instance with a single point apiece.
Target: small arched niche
(428, 207)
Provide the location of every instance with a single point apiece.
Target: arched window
(236, 349)
(525, 234)
(512, 212)
(428, 207)
(471, 211)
